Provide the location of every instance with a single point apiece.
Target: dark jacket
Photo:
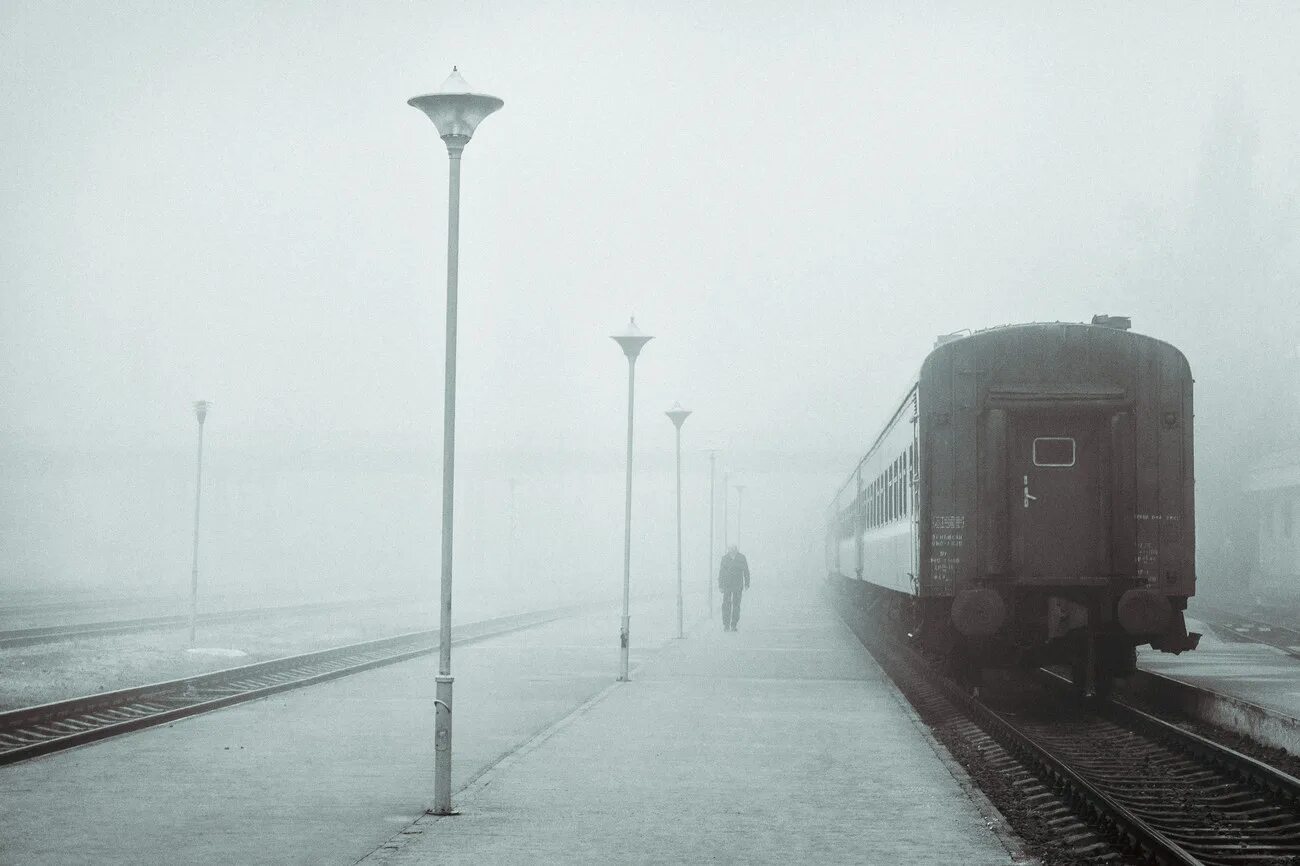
(734, 573)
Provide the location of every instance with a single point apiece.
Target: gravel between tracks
(1274, 757)
(1042, 838)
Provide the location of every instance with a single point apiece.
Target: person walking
(733, 580)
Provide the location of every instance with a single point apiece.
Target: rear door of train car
(1055, 490)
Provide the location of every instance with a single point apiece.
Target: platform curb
(1264, 726)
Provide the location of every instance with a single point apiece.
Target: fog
(234, 203)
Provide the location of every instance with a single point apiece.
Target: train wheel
(964, 667)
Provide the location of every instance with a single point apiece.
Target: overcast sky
(233, 201)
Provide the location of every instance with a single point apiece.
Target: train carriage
(1031, 501)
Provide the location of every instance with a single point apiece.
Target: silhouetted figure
(733, 580)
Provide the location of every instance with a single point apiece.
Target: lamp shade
(678, 415)
(454, 110)
(201, 409)
(631, 339)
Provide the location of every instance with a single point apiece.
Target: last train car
(1030, 502)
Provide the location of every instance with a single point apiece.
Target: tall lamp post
(726, 503)
(713, 519)
(630, 341)
(678, 415)
(456, 112)
(200, 412)
(740, 503)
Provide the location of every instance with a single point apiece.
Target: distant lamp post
(740, 503)
(630, 341)
(514, 526)
(713, 519)
(200, 412)
(678, 415)
(726, 505)
(456, 112)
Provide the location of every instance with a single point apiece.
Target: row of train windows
(886, 498)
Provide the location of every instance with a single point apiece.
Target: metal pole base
(442, 748)
(194, 605)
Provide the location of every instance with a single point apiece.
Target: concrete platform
(782, 743)
(322, 775)
(1254, 672)
(1247, 687)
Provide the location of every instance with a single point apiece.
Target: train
(1030, 502)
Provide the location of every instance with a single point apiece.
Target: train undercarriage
(1091, 631)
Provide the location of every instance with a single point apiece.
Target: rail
(1170, 795)
(40, 730)
(50, 633)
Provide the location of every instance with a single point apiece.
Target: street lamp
(713, 519)
(456, 112)
(678, 415)
(740, 502)
(630, 341)
(200, 412)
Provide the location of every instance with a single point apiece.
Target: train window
(888, 499)
(907, 482)
(1054, 451)
(898, 485)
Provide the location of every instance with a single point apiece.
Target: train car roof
(957, 337)
(893, 416)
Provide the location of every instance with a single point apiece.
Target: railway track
(61, 605)
(46, 634)
(1148, 788)
(33, 731)
(1247, 628)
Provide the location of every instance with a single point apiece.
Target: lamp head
(455, 110)
(631, 339)
(201, 409)
(678, 415)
